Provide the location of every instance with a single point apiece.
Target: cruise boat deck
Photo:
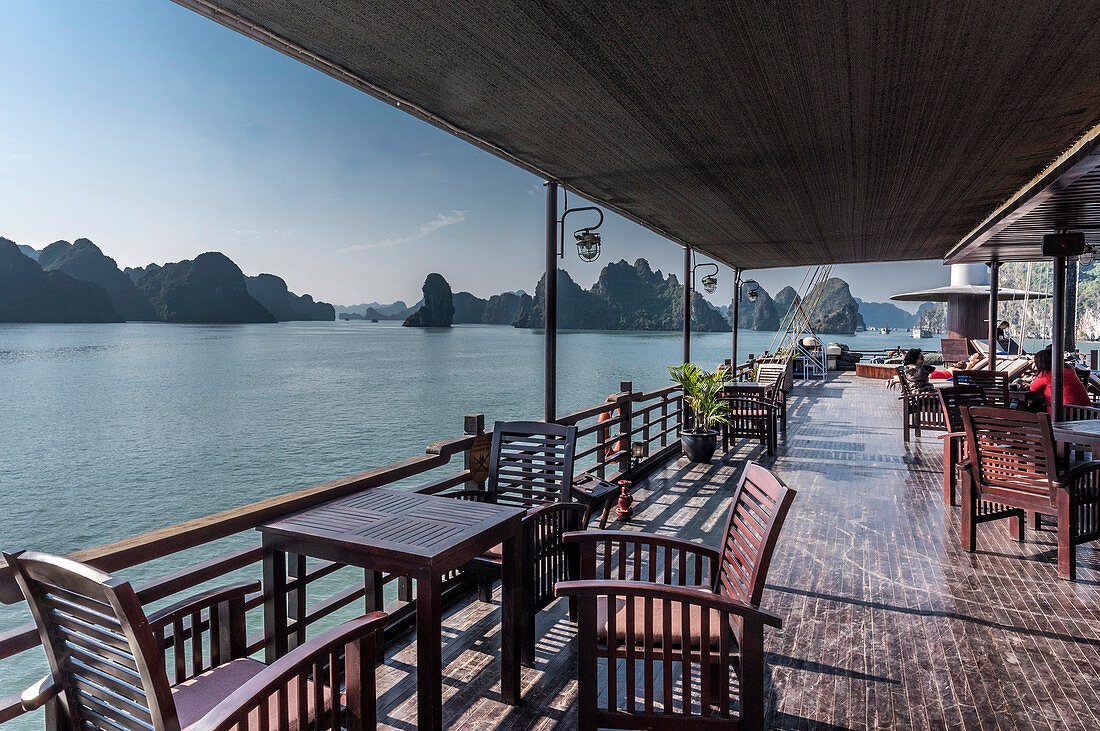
(888, 623)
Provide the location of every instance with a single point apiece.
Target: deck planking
(888, 622)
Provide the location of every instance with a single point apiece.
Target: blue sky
(159, 135)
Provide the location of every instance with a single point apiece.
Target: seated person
(1073, 391)
(916, 373)
(1005, 343)
(968, 364)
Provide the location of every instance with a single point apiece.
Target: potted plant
(703, 393)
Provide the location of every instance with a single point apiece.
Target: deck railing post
(664, 420)
(626, 421)
(474, 425)
(296, 599)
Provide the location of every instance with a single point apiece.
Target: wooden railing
(606, 433)
(652, 418)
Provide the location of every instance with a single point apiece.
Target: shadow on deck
(888, 623)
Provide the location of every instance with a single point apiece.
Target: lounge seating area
(880, 605)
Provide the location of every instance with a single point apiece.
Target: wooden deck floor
(888, 623)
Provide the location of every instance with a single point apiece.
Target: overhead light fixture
(588, 241)
(709, 281)
(588, 244)
(1087, 257)
(753, 292)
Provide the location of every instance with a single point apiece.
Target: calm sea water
(108, 431)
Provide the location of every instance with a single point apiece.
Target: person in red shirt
(1073, 391)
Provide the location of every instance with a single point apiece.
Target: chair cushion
(694, 618)
(197, 696)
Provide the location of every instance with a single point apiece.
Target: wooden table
(407, 534)
(1086, 432)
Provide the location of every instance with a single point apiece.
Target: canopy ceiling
(764, 134)
(1065, 197)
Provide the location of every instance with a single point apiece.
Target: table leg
(372, 583)
(274, 604)
(429, 651)
(606, 511)
(511, 594)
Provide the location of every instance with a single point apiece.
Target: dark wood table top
(391, 524)
(1088, 428)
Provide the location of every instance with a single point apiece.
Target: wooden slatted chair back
(772, 373)
(994, 383)
(953, 399)
(903, 382)
(531, 463)
(102, 656)
(755, 519)
(1011, 452)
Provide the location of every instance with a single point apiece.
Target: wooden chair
(775, 374)
(953, 400)
(919, 410)
(107, 659)
(1012, 468)
(664, 590)
(531, 466)
(753, 413)
(994, 383)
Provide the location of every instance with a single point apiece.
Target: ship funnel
(963, 275)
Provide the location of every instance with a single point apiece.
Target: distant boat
(885, 331)
(375, 319)
(918, 333)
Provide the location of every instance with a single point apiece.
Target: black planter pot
(699, 447)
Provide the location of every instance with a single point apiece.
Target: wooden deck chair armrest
(38, 694)
(480, 496)
(651, 539)
(589, 539)
(212, 598)
(542, 512)
(1078, 473)
(702, 598)
(299, 662)
(756, 403)
(951, 435)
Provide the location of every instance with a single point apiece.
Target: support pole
(687, 305)
(1069, 337)
(1058, 338)
(550, 373)
(994, 286)
(736, 307)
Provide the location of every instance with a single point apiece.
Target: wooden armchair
(1013, 467)
(994, 383)
(919, 410)
(107, 659)
(953, 400)
(753, 413)
(531, 466)
(664, 590)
